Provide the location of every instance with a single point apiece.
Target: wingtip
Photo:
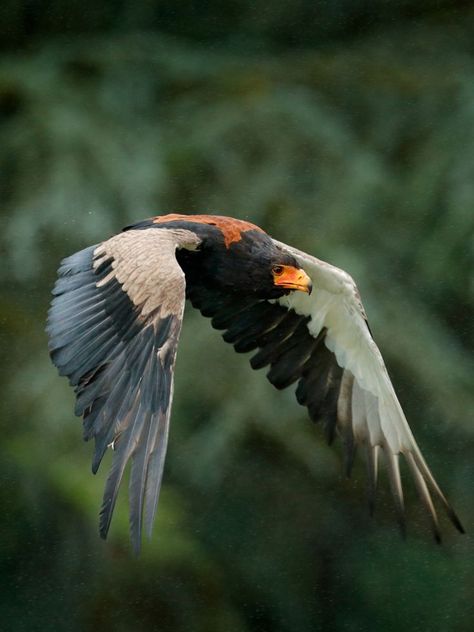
(103, 532)
(105, 518)
(456, 522)
(349, 453)
(136, 548)
(372, 475)
(135, 544)
(149, 523)
(420, 471)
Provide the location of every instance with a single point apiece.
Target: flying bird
(114, 327)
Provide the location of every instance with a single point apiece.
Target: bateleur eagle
(114, 326)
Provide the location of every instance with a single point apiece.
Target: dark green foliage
(361, 153)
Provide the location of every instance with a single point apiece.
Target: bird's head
(255, 265)
(289, 277)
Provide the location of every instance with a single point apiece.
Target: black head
(253, 265)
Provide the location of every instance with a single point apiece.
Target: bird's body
(114, 327)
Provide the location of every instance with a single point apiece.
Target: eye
(278, 270)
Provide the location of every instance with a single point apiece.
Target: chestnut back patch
(231, 228)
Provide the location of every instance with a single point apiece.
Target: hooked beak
(292, 278)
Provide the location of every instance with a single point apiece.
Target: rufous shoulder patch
(231, 228)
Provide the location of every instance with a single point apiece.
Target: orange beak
(291, 278)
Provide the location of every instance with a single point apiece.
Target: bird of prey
(114, 327)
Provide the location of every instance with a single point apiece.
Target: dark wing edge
(114, 326)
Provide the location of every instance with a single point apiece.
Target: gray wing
(113, 326)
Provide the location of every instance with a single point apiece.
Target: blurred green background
(345, 128)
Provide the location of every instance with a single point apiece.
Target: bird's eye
(278, 270)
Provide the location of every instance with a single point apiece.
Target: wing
(113, 327)
(322, 341)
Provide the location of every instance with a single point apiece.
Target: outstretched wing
(367, 410)
(322, 342)
(114, 325)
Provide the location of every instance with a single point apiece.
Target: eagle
(114, 326)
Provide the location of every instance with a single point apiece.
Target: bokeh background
(345, 128)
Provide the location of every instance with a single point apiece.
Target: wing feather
(372, 409)
(323, 342)
(114, 326)
(425, 496)
(372, 452)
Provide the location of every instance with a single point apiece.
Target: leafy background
(345, 128)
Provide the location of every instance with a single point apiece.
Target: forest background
(345, 128)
